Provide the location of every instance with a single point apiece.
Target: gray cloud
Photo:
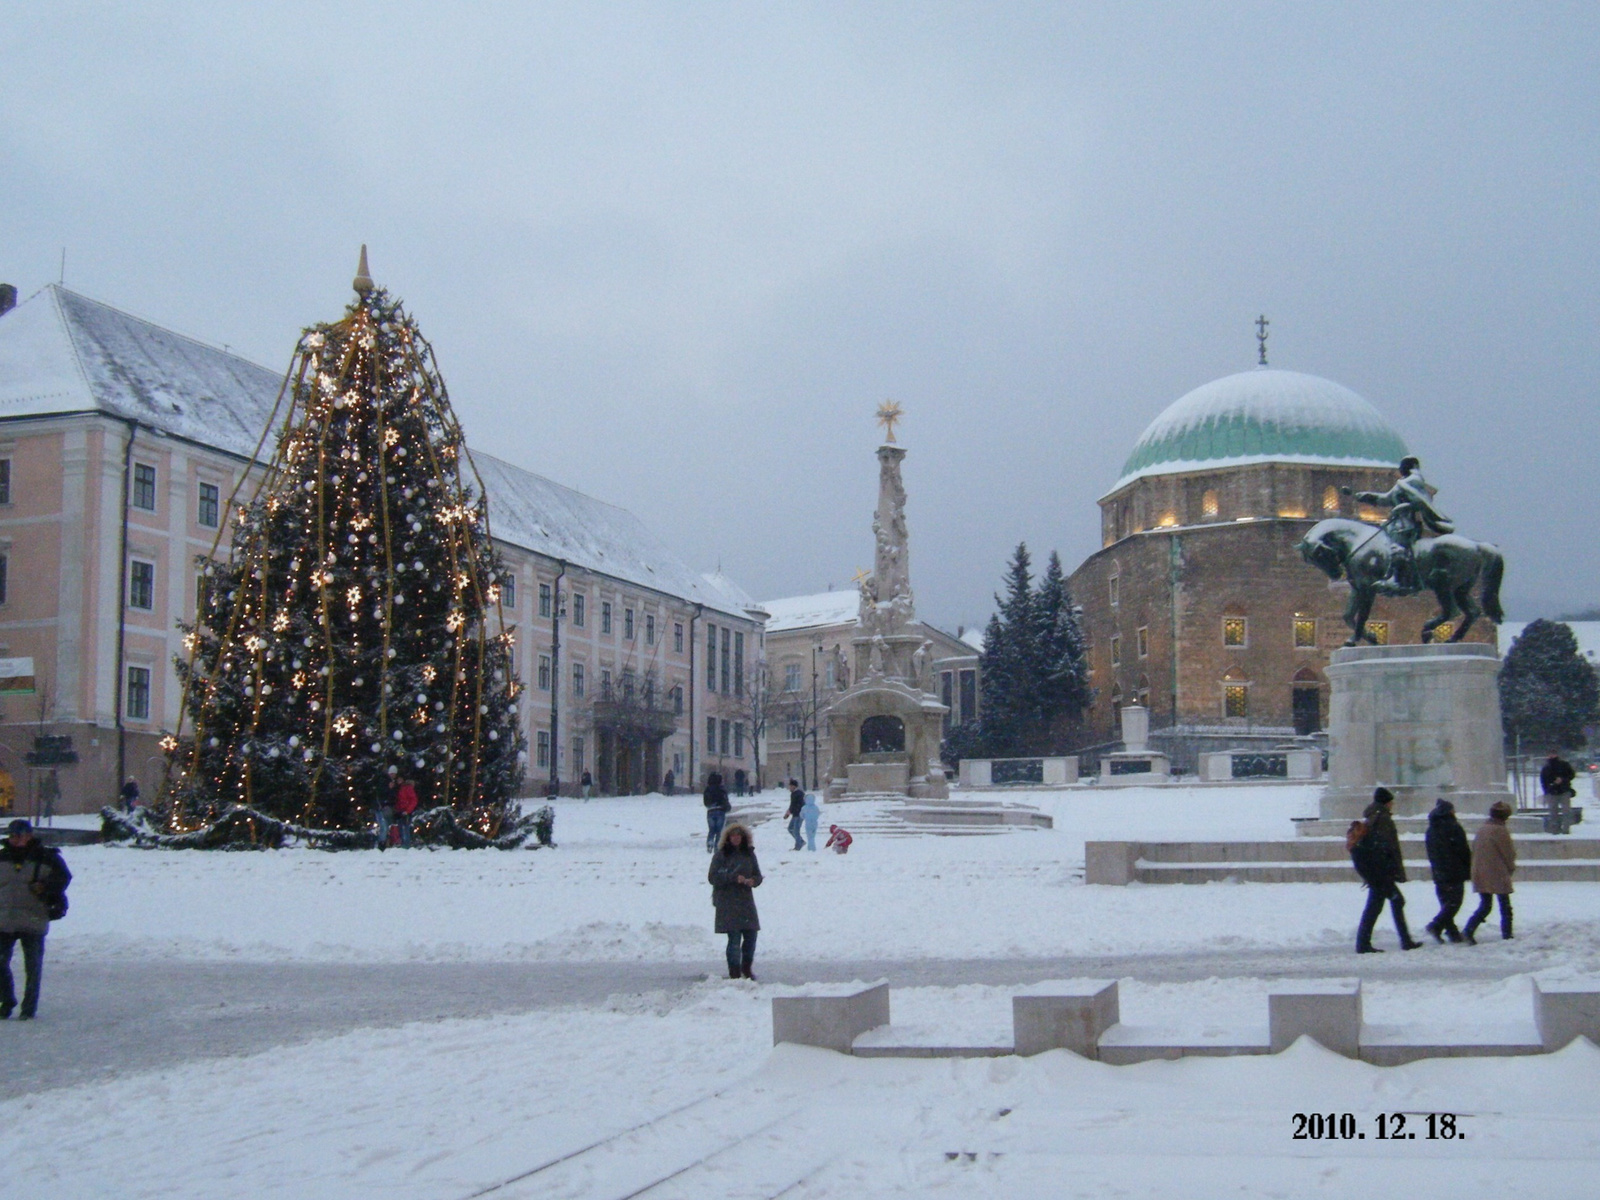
(675, 255)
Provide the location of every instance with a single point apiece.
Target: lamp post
(816, 721)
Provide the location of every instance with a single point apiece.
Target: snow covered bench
(830, 1015)
(1064, 1015)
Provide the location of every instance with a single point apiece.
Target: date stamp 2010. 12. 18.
(1384, 1127)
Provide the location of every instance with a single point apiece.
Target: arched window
(1306, 701)
(1208, 504)
(1330, 499)
(1142, 696)
(1235, 695)
(883, 734)
(1116, 712)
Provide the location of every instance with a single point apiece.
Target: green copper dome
(1264, 415)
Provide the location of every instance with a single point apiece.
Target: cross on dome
(1261, 337)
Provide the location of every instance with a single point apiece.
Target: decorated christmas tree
(353, 636)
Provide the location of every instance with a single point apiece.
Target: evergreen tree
(1010, 654)
(1548, 692)
(1062, 669)
(352, 637)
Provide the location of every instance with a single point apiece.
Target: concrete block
(975, 772)
(831, 1016)
(1058, 772)
(1064, 1015)
(1110, 862)
(1328, 1010)
(1124, 1045)
(1564, 1011)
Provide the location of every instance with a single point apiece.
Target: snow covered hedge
(242, 828)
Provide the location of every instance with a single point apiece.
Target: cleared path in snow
(99, 1020)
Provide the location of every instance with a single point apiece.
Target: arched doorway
(1307, 702)
(883, 734)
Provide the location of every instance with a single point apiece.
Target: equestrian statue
(1416, 549)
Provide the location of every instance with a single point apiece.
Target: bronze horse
(1448, 566)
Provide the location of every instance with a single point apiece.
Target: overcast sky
(674, 255)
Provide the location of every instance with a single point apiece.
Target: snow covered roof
(974, 638)
(1264, 415)
(61, 352)
(1587, 633)
(805, 612)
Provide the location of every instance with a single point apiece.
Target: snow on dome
(1264, 415)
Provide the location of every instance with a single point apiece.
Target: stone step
(1568, 871)
(1529, 850)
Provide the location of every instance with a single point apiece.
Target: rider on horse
(1411, 516)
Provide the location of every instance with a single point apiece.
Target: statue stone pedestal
(1135, 765)
(1423, 721)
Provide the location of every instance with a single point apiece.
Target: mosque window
(1305, 632)
(1116, 590)
(1116, 649)
(1379, 631)
(1208, 504)
(1235, 631)
(1443, 630)
(1236, 700)
(1143, 640)
(1330, 499)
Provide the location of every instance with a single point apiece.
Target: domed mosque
(1198, 606)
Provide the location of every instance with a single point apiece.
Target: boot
(1369, 948)
(745, 971)
(1434, 929)
(734, 973)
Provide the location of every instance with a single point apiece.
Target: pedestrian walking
(667, 784)
(1555, 781)
(405, 803)
(838, 839)
(739, 778)
(130, 795)
(1375, 852)
(587, 784)
(797, 804)
(809, 812)
(33, 892)
(717, 805)
(1494, 861)
(383, 817)
(734, 876)
(1451, 860)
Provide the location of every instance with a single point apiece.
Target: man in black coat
(797, 801)
(1451, 859)
(1378, 861)
(1555, 780)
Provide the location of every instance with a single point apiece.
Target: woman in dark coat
(1451, 860)
(734, 876)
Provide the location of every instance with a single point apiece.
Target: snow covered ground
(449, 1108)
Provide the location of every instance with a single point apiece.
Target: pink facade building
(121, 444)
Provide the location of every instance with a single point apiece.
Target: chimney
(8, 297)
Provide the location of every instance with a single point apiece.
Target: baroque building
(121, 444)
(1198, 604)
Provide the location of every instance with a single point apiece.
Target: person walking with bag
(1451, 860)
(1494, 861)
(33, 892)
(734, 876)
(717, 805)
(1375, 854)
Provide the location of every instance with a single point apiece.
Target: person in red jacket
(839, 839)
(405, 803)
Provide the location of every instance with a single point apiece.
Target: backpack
(55, 901)
(1352, 836)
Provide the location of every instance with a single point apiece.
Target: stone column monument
(884, 731)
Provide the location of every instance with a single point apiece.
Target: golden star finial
(888, 413)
